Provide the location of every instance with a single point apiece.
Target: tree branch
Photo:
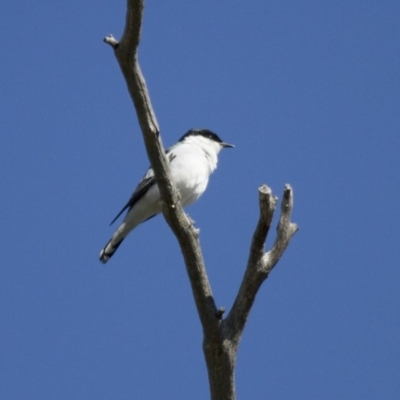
(127, 57)
(267, 203)
(260, 263)
(285, 231)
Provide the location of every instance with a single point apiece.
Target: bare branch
(285, 231)
(126, 54)
(267, 208)
(133, 25)
(260, 264)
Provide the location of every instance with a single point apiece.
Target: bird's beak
(223, 144)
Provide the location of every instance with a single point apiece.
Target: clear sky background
(308, 91)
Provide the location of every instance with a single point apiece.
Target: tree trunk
(220, 358)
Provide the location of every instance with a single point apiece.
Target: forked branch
(260, 263)
(221, 337)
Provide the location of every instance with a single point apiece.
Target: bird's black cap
(207, 134)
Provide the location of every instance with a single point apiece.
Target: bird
(191, 161)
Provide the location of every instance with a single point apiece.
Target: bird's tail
(109, 249)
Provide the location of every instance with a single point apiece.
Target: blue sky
(308, 91)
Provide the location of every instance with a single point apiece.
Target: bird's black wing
(145, 184)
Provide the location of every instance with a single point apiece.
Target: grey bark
(221, 336)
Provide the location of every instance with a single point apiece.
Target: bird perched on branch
(191, 161)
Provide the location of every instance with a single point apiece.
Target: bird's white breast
(190, 171)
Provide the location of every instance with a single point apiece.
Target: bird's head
(205, 139)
